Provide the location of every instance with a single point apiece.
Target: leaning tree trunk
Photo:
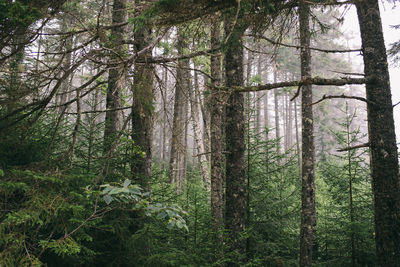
(235, 142)
(177, 165)
(142, 108)
(116, 77)
(382, 139)
(308, 212)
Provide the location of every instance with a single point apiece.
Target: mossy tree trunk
(142, 108)
(235, 142)
(177, 165)
(308, 211)
(116, 77)
(382, 139)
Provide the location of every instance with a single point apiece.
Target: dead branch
(353, 147)
(300, 47)
(324, 97)
(315, 81)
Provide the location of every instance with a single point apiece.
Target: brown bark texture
(382, 139)
(235, 142)
(177, 166)
(216, 146)
(308, 211)
(142, 108)
(197, 135)
(116, 77)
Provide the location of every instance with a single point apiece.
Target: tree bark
(235, 142)
(116, 78)
(258, 100)
(197, 134)
(177, 166)
(276, 111)
(142, 108)
(308, 212)
(382, 139)
(216, 139)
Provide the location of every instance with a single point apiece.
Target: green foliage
(345, 207)
(25, 146)
(273, 225)
(18, 13)
(54, 216)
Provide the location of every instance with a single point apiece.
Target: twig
(348, 73)
(324, 97)
(98, 111)
(297, 93)
(396, 104)
(299, 47)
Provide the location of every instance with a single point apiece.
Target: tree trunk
(308, 212)
(235, 143)
(382, 139)
(66, 84)
(116, 78)
(194, 110)
(349, 172)
(297, 138)
(142, 108)
(289, 126)
(177, 168)
(163, 145)
(276, 110)
(216, 146)
(258, 100)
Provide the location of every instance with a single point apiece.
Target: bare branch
(188, 56)
(315, 81)
(324, 97)
(396, 104)
(353, 147)
(299, 47)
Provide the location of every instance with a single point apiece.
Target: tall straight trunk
(199, 142)
(205, 112)
(249, 67)
(142, 108)
(66, 85)
(296, 124)
(382, 138)
(235, 142)
(266, 104)
(276, 111)
(92, 127)
(216, 144)
(116, 77)
(177, 166)
(163, 145)
(289, 126)
(258, 99)
(266, 115)
(349, 173)
(308, 212)
(285, 121)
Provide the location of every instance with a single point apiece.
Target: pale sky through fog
(390, 15)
